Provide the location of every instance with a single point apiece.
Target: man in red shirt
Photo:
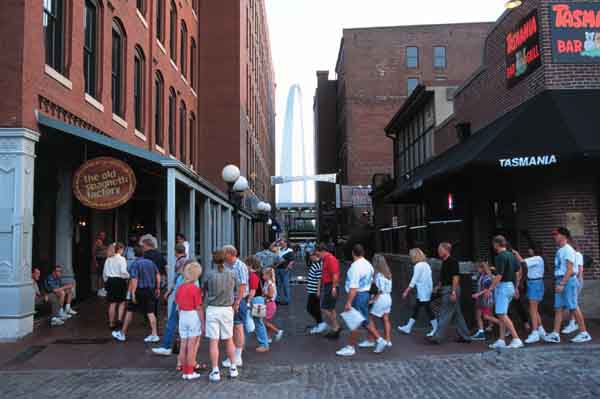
(330, 278)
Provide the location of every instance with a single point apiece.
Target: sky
(305, 37)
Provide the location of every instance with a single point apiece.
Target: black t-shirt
(507, 266)
(158, 260)
(450, 269)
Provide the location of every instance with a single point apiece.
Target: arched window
(172, 118)
(158, 109)
(90, 47)
(160, 20)
(139, 68)
(193, 63)
(183, 49)
(118, 75)
(173, 31)
(192, 140)
(182, 129)
(54, 34)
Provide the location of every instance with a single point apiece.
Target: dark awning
(564, 124)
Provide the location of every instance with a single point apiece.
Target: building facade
(519, 155)
(100, 132)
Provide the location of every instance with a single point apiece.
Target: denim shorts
(567, 299)
(503, 295)
(361, 303)
(535, 290)
(240, 316)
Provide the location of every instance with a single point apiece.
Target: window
(192, 140)
(90, 47)
(54, 30)
(173, 31)
(412, 85)
(439, 57)
(160, 20)
(158, 109)
(193, 63)
(118, 47)
(141, 6)
(138, 88)
(183, 49)
(172, 117)
(182, 128)
(412, 57)
(413, 145)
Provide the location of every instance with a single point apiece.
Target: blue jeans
(503, 296)
(259, 326)
(172, 324)
(283, 285)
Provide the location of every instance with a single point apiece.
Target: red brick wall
(12, 16)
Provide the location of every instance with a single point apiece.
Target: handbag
(258, 308)
(249, 323)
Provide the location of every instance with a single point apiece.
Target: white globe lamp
(230, 174)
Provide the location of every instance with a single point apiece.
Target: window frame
(182, 131)
(172, 121)
(139, 73)
(54, 41)
(91, 47)
(192, 139)
(436, 57)
(183, 49)
(173, 32)
(118, 81)
(193, 63)
(409, 57)
(159, 105)
(160, 21)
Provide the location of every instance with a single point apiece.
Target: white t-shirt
(563, 255)
(422, 280)
(384, 285)
(360, 276)
(578, 262)
(535, 267)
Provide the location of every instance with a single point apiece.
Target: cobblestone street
(564, 372)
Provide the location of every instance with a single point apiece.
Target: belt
(535, 279)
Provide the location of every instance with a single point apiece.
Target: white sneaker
(389, 344)
(214, 376)
(541, 332)
(552, 338)
(72, 312)
(432, 332)
(320, 328)
(581, 338)
(570, 328)
(193, 376)
(64, 315)
(533, 338)
(102, 292)
(278, 336)
(162, 351)
(405, 329)
(227, 363)
(500, 344)
(233, 372)
(366, 344)
(152, 339)
(381, 345)
(346, 351)
(516, 343)
(119, 336)
(55, 321)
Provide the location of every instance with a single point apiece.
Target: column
(191, 223)
(171, 214)
(64, 222)
(17, 166)
(206, 234)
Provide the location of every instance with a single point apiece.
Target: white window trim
(59, 77)
(184, 80)
(94, 103)
(194, 92)
(161, 47)
(173, 64)
(159, 149)
(119, 120)
(142, 18)
(139, 135)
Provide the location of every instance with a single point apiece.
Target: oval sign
(104, 183)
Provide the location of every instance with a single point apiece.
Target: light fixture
(510, 4)
(261, 206)
(240, 185)
(267, 207)
(230, 174)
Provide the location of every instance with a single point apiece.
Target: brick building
(100, 131)
(377, 69)
(518, 156)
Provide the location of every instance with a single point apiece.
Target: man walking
(565, 298)
(449, 288)
(144, 289)
(504, 287)
(286, 256)
(240, 305)
(358, 284)
(330, 277)
(268, 256)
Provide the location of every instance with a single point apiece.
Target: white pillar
(206, 234)
(171, 214)
(17, 165)
(64, 222)
(191, 225)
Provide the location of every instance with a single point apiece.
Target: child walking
(382, 302)
(484, 304)
(269, 290)
(191, 319)
(313, 289)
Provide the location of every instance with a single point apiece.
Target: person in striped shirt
(313, 289)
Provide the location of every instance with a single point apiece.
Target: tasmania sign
(527, 162)
(575, 30)
(523, 55)
(104, 183)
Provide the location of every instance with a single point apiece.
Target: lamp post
(264, 208)
(236, 184)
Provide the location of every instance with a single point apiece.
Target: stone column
(17, 165)
(64, 222)
(191, 223)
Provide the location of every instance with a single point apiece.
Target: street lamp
(237, 185)
(510, 4)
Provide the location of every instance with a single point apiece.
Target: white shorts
(382, 306)
(189, 324)
(219, 322)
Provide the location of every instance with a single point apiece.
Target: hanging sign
(575, 28)
(523, 55)
(104, 183)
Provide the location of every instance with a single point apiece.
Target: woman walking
(255, 298)
(382, 302)
(270, 293)
(114, 277)
(422, 281)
